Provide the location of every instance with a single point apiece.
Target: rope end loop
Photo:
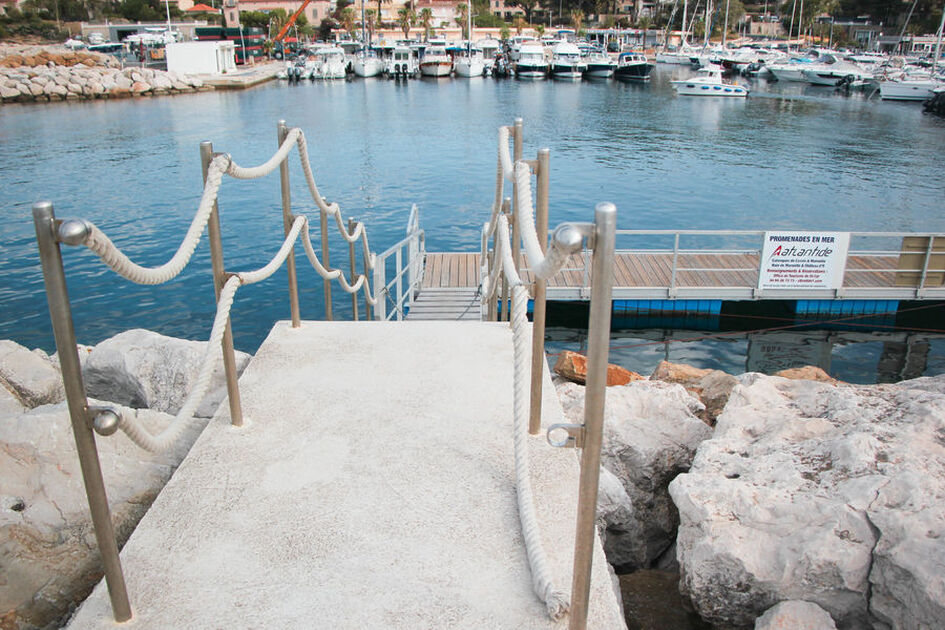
(557, 605)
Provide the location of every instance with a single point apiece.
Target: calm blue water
(790, 156)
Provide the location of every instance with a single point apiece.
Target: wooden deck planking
(648, 269)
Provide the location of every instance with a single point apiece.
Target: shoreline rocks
(808, 490)
(43, 74)
(48, 553)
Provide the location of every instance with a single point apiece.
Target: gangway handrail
(86, 420)
(914, 285)
(513, 221)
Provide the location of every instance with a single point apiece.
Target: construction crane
(285, 28)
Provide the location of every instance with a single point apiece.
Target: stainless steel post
(60, 313)
(399, 270)
(598, 345)
(354, 268)
(216, 260)
(367, 268)
(538, 311)
(282, 132)
(323, 225)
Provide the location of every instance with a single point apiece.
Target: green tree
(462, 13)
(528, 6)
(505, 32)
(405, 19)
(348, 19)
(577, 19)
(519, 24)
(426, 21)
(371, 19)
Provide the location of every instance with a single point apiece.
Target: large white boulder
(31, 376)
(48, 553)
(651, 431)
(144, 369)
(795, 615)
(829, 494)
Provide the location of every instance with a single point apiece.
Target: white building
(212, 57)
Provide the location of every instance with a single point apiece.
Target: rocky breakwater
(48, 554)
(29, 75)
(800, 501)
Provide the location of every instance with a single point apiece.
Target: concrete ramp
(372, 487)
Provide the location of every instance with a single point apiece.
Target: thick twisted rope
(99, 243)
(541, 264)
(154, 443)
(556, 601)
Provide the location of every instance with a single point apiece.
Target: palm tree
(577, 19)
(405, 19)
(519, 24)
(645, 23)
(371, 18)
(348, 19)
(426, 21)
(462, 11)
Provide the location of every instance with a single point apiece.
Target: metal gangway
(337, 428)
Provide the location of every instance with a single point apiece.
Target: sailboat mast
(685, 8)
(790, 32)
(938, 43)
(800, 20)
(725, 27)
(708, 24)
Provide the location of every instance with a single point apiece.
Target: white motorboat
(402, 63)
(367, 64)
(531, 62)
(677, 56)
(74, 44)
(830, 71)
(708, 82)
(489, 47)
(470, 63)
(600, 65)
(436, 62)
(566, 62)
(327, 62)
(910, 88)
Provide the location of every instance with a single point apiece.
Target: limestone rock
(123, 83)
(140, 368)
(47, 548)
(822, 493)
(30, 377)
(795, 615)
(573, 367)
(35, 88)
(651, 431)
(677, 373)
(8, 93)
(10, 404)
(161, 82)
(139, 87)
(808, 372)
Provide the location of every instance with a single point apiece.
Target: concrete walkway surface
(372, 487)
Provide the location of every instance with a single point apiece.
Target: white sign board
(803, 260)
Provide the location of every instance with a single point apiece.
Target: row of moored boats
(524, 58)
(895, 77)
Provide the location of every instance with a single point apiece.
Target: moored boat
(436, 62)
(600, 65)
(633, 66)
(566, 62)
(708, 82)
(531, 62)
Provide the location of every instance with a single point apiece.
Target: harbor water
(791, 156)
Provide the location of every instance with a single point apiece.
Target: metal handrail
(600, 238)
(415, 244)
(676, 251)
(52, 232)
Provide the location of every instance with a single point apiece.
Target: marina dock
(371, 486)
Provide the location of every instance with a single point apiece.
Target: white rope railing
(219, 166)
(140, 435)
